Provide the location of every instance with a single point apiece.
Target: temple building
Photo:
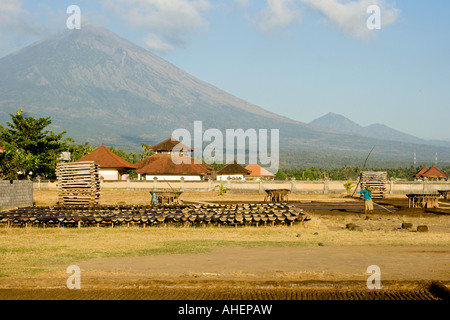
(432, 174)
(111, 166)
(258, 172)
(162, 166)
(232, 171)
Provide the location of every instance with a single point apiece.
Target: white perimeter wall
(109, 174)
(302, 187)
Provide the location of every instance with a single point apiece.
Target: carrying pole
(364, 167)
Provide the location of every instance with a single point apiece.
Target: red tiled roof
(144, 162)
(163, 164)
(434, 172)
(421, 172)
(168, 145)
(258, 171)
(2, 148)
(233, 168)
(105, 158)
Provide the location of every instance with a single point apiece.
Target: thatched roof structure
(163, 164)
(233, 168)
(168, 145)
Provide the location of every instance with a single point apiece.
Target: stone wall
(16, 194)
(299, 187)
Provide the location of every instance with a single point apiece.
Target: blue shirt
(154, 198)
(367, 194)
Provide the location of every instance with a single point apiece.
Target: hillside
(102, 88)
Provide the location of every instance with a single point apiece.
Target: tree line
(32, 151)
(347, 173)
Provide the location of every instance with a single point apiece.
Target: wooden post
(155, 181)
(325, 186)
(182, 184)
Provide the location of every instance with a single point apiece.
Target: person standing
(368, 202)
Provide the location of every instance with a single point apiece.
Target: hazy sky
(298, 58)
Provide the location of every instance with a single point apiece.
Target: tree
(280, 175)
(17, 164)
(146, 152)
(79, 151)
(348, 186)
(30, 149)
(221, 188)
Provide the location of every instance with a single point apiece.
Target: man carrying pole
(368, 202)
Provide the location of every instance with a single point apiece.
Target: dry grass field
(317, 259)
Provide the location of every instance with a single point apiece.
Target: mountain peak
(102, 88)
(337, 122)
(94, 76)
(340, 123)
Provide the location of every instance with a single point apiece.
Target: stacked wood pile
(156, 215)
(277, 195)
(423, 200)
(445, 194)
(377, 182)
(167, 197)
(78, 183)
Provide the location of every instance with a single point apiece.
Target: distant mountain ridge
(101, 88)
(340, 123)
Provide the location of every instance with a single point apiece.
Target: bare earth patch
(322, 256)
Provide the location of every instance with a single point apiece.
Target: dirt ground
(305, 272)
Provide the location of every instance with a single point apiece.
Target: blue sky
(298, 58)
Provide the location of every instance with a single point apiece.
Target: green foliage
(79, 151)
(30, 149)
(280, 175)
(221, 188)
(145, 152)
(17, 164)
(348, 186)
(346, 173)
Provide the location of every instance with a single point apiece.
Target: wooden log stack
(78, 183)
(377, 182)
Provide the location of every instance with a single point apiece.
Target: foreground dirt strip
(399, 263)
(428, 291)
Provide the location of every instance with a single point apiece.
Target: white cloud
(13, 19)
(17, 26)
(278, 13)
(351, 16)
(165, 22)
(9, 11)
